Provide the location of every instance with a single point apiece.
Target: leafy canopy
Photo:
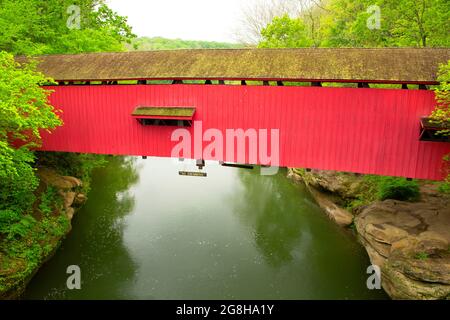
(33, 27)
(159, 43)
(441, 113)
(285, 32)
(40, 27)
(344, 23)
(24, 111)
(24, 108)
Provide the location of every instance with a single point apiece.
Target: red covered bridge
(118, 103)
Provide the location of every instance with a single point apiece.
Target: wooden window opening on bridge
(363, 85)
(429, 131)
(164, 116)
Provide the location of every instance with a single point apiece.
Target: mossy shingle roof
(396, 65)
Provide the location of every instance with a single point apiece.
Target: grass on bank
(371, 188)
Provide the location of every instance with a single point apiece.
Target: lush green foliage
(24, 111)
(441, 114)
(8, 218)
(403, 23)
(49, 199)
(27, 243)
(344, 23)
(375, 188)
(158, 43)
(397, 188)
(39, 27)
(421, 256)
(24, 108)
(285, 32)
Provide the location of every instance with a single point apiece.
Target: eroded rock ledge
(69, 188)
(409, 241)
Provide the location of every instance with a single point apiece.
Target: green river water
(148, 233)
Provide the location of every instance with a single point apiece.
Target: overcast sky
(212, 20)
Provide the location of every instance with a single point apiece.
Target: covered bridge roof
(388, 65)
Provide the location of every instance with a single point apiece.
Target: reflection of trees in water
(108, 262)
(268, 206)
(96, 242)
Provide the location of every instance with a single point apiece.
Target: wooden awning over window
(164, 113)
(433, 131)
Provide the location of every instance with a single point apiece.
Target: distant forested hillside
(159, 43)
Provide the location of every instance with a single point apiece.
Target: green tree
(417, 23)
(24, 111)
(345, 25)
(41, 27)
(285, 32)
(158, 43)
(441, 114)
(420, 23)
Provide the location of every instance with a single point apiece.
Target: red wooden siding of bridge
(370, 131)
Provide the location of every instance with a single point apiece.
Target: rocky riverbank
(409, 241)
(21, 257)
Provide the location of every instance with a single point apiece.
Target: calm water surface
(148, 233)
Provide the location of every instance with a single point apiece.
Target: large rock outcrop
(411, 244)
(409, 241)
(69, 188)
(329, 189)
